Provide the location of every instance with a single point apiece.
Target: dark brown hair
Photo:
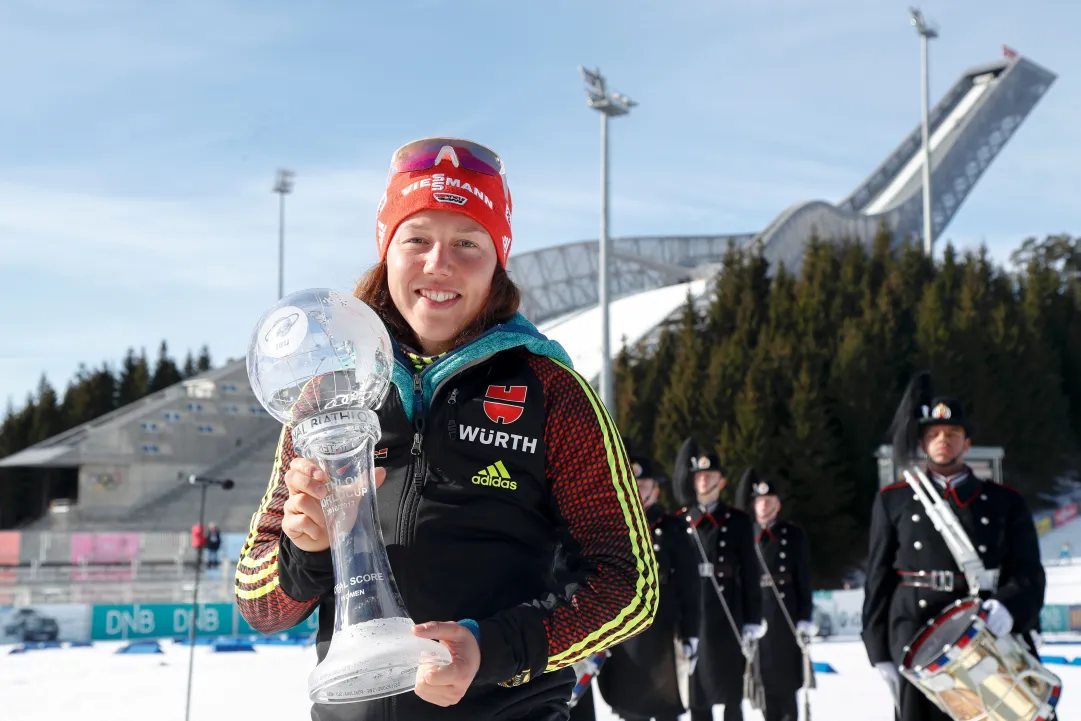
(500, 306)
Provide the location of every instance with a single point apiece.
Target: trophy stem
(373, 652)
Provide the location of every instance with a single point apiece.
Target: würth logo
(504, 404)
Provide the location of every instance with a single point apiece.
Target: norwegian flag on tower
(1008, 52)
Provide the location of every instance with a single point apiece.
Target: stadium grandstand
(133, 509)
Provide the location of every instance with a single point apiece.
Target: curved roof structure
(969, 127)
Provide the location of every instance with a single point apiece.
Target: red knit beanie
(446, 186)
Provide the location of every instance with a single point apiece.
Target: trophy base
(372, 660)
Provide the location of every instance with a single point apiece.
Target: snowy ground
(99, 684)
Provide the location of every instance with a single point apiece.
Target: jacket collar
(696, 515)
(963, 488)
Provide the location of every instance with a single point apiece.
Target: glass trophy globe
(320, 361)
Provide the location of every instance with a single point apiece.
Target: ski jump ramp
(969, 126)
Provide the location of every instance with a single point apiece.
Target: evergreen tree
(203, 364)
(820, 492)
(165, 371)
(76, 406)
(867, 376)
(103, 391)
(189, 366)
(656, 372)
(935, 350)
(7, 432)
(627, 380)
(46, 419)
(134, 382)
(677, 416)
(757, 414)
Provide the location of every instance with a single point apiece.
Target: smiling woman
(440, 285)
(510, 514)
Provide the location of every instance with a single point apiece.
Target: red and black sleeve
(610, 593)
(277, 584)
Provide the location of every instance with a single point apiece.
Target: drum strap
(747, 653)
(953, 533)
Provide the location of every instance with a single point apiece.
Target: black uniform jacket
(903, 542)
(787, 555)
(639, 678)
(727, 537)
(497, 456)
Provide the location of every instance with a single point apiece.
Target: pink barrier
(9, 548)
(104, 548)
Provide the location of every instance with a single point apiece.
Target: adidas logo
(495, 475)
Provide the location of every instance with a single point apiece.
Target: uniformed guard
(639, 679)
(721, 548)
(783, 661)
(911, 573)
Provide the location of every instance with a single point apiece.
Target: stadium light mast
(608, 104)
(926, 33)
(204, 483)
(283, 185)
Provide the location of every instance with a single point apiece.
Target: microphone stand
(204, 483)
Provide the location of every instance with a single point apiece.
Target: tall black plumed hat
(752, 485)
(692, 457)
(920, 408)
(643, 466)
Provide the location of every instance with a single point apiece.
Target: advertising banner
(169, 620)
(1044, 524)
(1065, 514)
(1055, 619)
(838, 613)
(44, 622)
(160, 620)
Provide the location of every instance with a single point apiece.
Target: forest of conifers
(799, 374)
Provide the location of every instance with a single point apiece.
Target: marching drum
(584, 671)
(974, 676)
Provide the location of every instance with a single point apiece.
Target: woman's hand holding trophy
(304, 521)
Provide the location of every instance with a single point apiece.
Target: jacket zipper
(452, 424)
(418, 435)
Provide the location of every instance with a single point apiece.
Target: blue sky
(140, 139)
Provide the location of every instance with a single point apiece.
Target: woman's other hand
(445, 685)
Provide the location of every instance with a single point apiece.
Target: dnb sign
(164, 620)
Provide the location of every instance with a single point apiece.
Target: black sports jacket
(502, 467)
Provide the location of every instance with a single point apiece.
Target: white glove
(892, 678)
(690, 649)
(999, 620)
(753, 631)
(805, 630)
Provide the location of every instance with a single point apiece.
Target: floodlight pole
(926, 33)
(609, 104)
(283, 185)
(203, 483)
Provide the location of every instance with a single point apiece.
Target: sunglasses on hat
(427, 153)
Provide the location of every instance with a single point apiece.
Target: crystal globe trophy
(320, 361)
